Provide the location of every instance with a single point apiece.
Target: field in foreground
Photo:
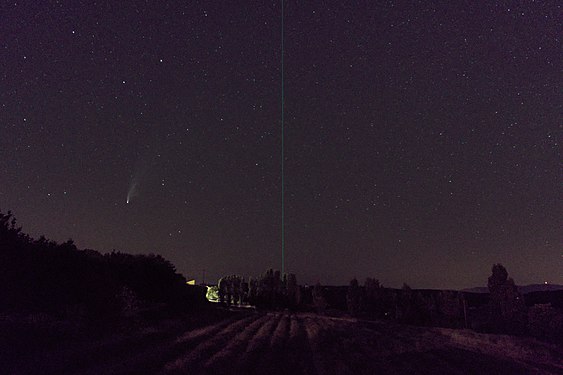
(284, 343)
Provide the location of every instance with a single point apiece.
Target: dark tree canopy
(43, 275)
(507, 309)
(498, 278)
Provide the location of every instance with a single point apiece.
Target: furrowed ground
(287, 343)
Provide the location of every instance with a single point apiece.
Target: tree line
(503, 310)
(269, 291)
(43, 275)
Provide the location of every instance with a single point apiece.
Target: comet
(144, 165)
(132, 192)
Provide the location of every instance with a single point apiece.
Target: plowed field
(285, 343)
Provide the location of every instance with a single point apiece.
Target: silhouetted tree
(222, 290)
(11, 235)
(244, 289)
(252, 290)
(506, 304)
(230, 290)
(498, 279)
(319, 299)
(293, 291)
(374, 302)
(236, 283)
(269, 291)
(403, 303)
(411, 307)
(277, 292)
(353, 298)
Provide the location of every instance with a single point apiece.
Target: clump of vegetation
(507, 308)
(354, 298)
(270, 291)
(45, 276)
(319, 298)
(44, 279)
(503, 310)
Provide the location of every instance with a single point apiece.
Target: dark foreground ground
(284, 343)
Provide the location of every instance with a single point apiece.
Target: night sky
(422, 141)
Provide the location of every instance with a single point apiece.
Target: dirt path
(286, 343)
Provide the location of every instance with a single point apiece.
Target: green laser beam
(282, 153)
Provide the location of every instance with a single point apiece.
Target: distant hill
(477, 289)
(524, 289)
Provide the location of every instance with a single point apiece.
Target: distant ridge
(524, 289)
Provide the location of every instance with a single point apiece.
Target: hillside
(524, 289)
